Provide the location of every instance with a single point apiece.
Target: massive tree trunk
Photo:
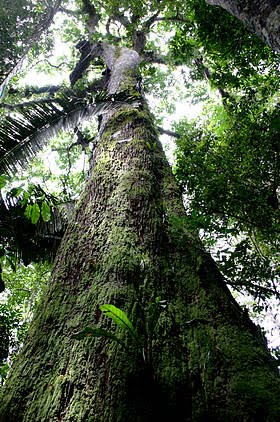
(198, 357)
(261, 16)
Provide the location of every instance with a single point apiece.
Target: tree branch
(153, 57)
(88, 52)
(30, 90)
(94, 17)
(139, 37)
(53, 65)
(168, 132)
(206, 72)
(147, 25)
(121, 19)
(69, 12)
(171, 19)
(253, 286)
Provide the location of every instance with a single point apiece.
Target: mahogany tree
(137, 323)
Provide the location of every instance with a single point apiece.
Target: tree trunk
(197, 356)
(261, 16)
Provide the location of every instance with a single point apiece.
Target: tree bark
(198, 356)
(261, 16)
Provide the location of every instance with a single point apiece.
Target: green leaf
(95, 332)
(119, 317)
(25, 198)
(45, 211)
(28, 211)
(16, 192)
(3, 180)
(35, 214)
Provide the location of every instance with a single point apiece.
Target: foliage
(32, 200)
(119, 317)
(228, 160)
(35, 124)
(24, 29)
(16, 24)
(24, 288)
(229, 163)
(31, 222)
(61, 168)
(235, 57)
(233, 169)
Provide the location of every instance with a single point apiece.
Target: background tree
(229, 160)
(191, 349)
(261, 17)
(22, 26)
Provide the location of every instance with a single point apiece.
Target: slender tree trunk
(198, 357)
(261, 16)
(40, 27)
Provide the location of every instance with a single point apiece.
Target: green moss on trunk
(128, 244)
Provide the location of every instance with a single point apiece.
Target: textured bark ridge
(198, 357)
(261, 16)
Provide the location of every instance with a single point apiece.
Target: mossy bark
(198, 357)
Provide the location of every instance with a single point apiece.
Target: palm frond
(24, 131)
(28, 126)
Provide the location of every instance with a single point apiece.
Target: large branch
(261, 16)
(87, 50)
(171, 133)
(35, 90)
(139, 37)
(154, 57)
(207, 74)
(93, 16)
